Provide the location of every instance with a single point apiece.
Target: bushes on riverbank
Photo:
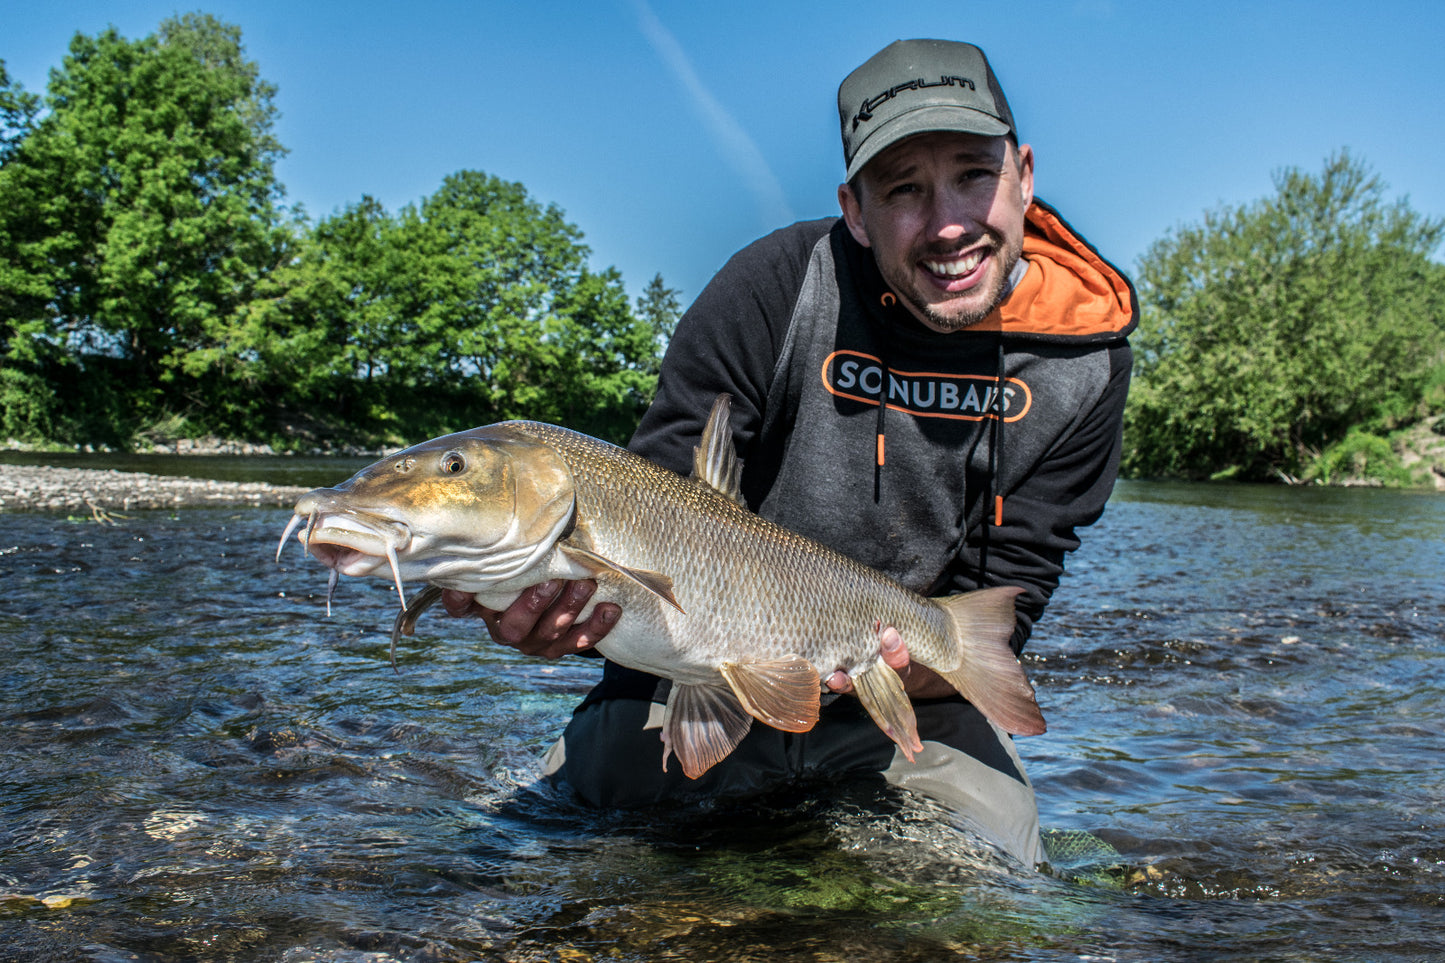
(1292, 338)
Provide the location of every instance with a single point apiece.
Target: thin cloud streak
(742, 154)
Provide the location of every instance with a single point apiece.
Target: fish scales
(745, 617)
(748, 587)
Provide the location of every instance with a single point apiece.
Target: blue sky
(673, 133)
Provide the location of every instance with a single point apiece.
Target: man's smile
(951, 271)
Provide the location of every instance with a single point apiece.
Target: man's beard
(951, 318)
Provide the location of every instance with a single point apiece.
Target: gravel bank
(35, 488)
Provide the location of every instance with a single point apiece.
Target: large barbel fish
(745, 617)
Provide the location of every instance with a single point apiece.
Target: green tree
(27, 399)
(659, 309)
(1272, 329)
(137, 218)
(18, 108)
(474, 305)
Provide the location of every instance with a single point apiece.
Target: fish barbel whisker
(291, 527)
(331, 589)
(391, 560)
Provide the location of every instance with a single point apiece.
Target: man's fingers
(558, 618)
(516, 623)
(458, 603)
(895, 656)
(542, 621)
(895, 653)
(586, 634)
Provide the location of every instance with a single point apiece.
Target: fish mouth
(348, 542)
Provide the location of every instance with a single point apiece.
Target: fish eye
(454, 463)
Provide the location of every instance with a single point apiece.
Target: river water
(1245, 690)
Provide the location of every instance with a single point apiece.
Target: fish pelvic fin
(988, 674)
(655, 582)
(701, 725)
(784, 693)
(881, 691)
(715, 459)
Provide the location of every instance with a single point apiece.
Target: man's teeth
(955, 268)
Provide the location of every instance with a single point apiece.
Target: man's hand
(543, 620)
(919, 681)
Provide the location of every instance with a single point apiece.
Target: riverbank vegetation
(154, 285)
(153, 282)
(1300, 337)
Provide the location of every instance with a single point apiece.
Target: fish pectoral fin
(715, 459)
(405, 623)
(655, 582)
(987, 672)
(701, 724)
(784, 693)
(881, 691)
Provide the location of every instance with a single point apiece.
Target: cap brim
(923, 120)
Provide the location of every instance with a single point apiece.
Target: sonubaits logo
(928, 394)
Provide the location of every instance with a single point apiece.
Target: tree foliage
(475, 305)
(137, 218)
(1272, 329)
(150, 274)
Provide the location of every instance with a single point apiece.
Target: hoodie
(948, 461)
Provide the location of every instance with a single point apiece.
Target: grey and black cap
(914, 86)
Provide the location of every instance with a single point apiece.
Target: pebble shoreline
(38, 488)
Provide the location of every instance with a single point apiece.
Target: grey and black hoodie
(932, 487)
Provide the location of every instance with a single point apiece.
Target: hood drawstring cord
(888, 300)
(993, 507)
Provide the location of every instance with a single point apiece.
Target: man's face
(944, 215)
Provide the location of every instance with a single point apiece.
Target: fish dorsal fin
(986, 671)
(593, 565)
(701, 725)
(715, 459)
(881, 691)
(784, 692)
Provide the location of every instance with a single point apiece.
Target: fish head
(474, 508)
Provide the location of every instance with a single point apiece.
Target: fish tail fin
(987, 672)
(881, 691)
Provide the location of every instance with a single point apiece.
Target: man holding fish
(932, 384)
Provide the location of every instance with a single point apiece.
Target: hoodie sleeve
(728, 341)
(1042, 515)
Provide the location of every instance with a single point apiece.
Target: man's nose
(952, 216)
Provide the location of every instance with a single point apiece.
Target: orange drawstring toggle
(997, 511)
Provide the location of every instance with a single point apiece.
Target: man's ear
(1026, 173)
(852, 208)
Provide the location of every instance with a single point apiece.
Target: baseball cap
(913, 86)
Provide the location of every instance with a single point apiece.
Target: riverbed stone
(40, 488)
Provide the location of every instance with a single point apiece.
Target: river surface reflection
(1243, 684)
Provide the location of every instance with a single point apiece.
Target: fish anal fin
(715, 459)
(881, 691)
(784, 693)
(702, 725)
(594, 564)
(987, 673)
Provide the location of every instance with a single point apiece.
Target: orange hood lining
(1068, 292)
